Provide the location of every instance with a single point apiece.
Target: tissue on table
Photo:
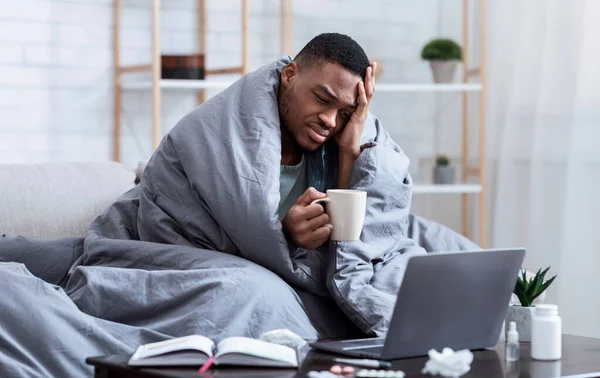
(283, 337)
(448, 363)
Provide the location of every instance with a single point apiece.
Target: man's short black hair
(334, 48)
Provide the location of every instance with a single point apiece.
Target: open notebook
(195, 350)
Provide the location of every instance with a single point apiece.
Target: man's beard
(286, 127)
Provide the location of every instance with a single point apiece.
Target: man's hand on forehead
(349, 139)
(368, 85)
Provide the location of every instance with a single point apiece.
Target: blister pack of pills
(380, 373)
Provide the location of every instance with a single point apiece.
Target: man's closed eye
(321, 99)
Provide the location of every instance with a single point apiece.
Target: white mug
(346, 210)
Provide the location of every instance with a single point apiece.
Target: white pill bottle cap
(546, 310)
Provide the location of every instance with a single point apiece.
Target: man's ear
(289, 74)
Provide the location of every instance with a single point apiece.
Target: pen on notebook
(364, 363)
(206, 365)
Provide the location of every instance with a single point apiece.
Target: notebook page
(194, 342)
(257, 348)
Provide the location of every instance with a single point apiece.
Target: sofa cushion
(52, 200)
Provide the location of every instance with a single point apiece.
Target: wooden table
(580, 358)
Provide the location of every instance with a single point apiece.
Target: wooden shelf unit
(156, 85)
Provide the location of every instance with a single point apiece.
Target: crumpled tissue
(448, 363)
(283, 337)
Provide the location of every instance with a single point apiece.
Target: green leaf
(543, 287)
(442, 49)
(531, 286)
(528, 290)
(536, 282)
(520, 290)
(525, 302)
(539, 280)
(544, 274)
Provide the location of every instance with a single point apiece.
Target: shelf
(380, 87)
(405, 87)
(177, 84)
(446, 189)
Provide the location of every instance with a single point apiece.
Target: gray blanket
(214, 183)
(197, 247)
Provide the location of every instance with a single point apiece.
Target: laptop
(447, 299)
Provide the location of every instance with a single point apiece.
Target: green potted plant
(528, 289)
(443, 172)
(443, 55)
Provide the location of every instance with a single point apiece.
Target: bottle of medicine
(512, 343)
(546, 329)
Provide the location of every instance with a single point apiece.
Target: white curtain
(543, 59)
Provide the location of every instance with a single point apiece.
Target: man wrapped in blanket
(256, 155)
(324, 97)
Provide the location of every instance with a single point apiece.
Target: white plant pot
(443, 70)
(443, 175)
(522, 316)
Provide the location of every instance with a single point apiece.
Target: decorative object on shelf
(443, 172)
(189, 67)
(527, 289)
(443, 55)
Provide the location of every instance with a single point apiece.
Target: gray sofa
(54, 200)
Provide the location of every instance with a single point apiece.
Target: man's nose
(328, 118)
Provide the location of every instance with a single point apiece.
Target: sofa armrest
(53, 200)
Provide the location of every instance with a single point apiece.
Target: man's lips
(317, 133)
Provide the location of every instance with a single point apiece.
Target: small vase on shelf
(443, 55)
(443, 172)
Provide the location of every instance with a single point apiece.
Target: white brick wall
(56, 67)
